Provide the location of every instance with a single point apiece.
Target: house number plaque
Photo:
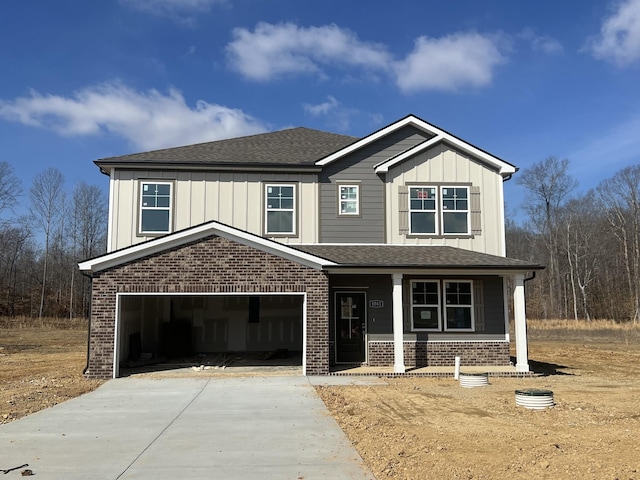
(376, 303)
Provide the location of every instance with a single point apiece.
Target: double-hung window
(425, 305)
(280, 214)
(440, 210)
(458, 305)
(450, 311)
(349, 199)
(155, 207)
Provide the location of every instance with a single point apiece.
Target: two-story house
(387, 250)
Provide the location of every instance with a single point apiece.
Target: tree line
(42, 242)
(589, 243)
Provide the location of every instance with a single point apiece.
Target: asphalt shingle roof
(293, 147)
(408, 256)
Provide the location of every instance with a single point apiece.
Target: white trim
(195, 233)
(110, 241)
(438, 305)
(383, 167)
(293, 210)
(398, 324)
(445, 306)
(503, 167)
(357, 199)
(520, 320)
(141, 183)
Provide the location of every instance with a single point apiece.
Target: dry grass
(23, 322)
(581, 325)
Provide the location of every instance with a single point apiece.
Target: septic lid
(534, 392)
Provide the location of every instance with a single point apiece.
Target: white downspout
(398, 325)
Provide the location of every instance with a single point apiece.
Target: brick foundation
(210, 265)
(436, 354)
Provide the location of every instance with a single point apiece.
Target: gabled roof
(439, 135)
(294, 147)
(199, 232)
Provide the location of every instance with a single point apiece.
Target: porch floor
(492, 371)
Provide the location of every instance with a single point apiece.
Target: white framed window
(155, 207)
(455, 210)
(425, 305)
(458, 305)
(440, 210)
(348, 199)
(280, 211)
(453, 310)
(423, 218)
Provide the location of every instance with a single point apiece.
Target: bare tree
(88, 228)
(47, 200)
(10, 188)
(619, 197)
(548, 186)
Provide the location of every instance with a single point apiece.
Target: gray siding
(369, 226)
(376, 287)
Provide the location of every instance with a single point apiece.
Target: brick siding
(210, 265)
(437, 354)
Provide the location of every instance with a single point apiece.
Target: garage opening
(214, 331)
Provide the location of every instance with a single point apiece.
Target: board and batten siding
(440, 165)
(235, 199)
(358, 168)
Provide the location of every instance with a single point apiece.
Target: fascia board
(384, 166)
(366, 140)
(439, 271)
(180, 238)
(503, 167)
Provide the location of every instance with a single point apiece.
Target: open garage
(207, 329)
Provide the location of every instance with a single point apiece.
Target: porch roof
(413, 257)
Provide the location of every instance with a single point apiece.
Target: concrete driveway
(186, 428)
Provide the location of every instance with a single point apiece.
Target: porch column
(520, 319)
(398, 325)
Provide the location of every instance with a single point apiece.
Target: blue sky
(523, 80)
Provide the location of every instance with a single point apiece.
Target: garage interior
(171, 331)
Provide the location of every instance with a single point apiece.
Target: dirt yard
(421, 428)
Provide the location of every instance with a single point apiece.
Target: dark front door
(350, 326)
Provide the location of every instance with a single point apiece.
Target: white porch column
(398, 325)
(520, 318)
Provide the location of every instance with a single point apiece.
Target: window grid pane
(349, 200)
(422, 210)
(425, 305)
(455, 210)
(280, 209)
(155, 208)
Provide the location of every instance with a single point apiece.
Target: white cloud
(148, 120)
(619, 39)
(274, 50)
(449, 63)
(322, 108)
(542, 43)
(332, 109)
(182, 11)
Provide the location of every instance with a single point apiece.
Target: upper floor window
(349, 199)
(280, 212)
(155, 207)
(439, 210)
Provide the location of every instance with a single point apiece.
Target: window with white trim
(155, 207)
(349, 199)
(425, 305)
(440, 210)
(458, 299)
(280, 218)
(451, 311)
